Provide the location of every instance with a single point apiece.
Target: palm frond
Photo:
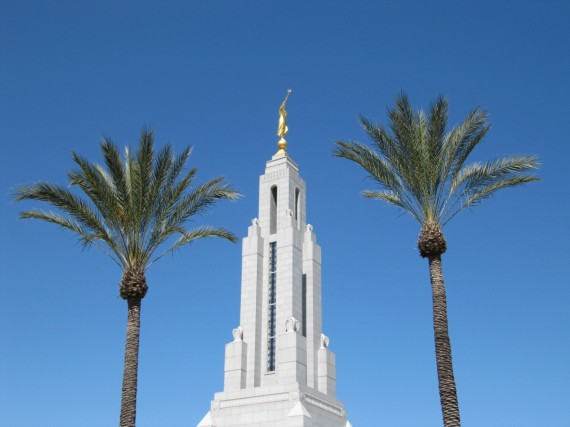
(199, 200)
(486, 191)
(85, 237)
(143, 167)
(465, 138)
(478, 175)
(387, 146)
(393, 198)
(100, 189)
(116, 171)
(377, 167)
(477, 181)
(162, 165)
(172, 189)
(61, 198)
(188, 237)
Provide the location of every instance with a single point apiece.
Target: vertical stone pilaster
(292, 365)
(312, 271)
(251, 300)
(235, 366)
(327, 372)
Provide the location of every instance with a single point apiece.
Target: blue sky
(212, 74)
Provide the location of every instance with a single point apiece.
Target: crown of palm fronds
(133, 205)
(421, 168)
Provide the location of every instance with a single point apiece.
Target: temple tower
(278, 370)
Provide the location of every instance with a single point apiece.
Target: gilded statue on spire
(282, 128)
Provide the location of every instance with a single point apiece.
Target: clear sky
(213, 74)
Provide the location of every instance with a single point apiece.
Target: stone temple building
(279, 371)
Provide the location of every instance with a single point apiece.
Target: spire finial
(282, 128)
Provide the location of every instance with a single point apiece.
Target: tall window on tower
(297, 205)
(271, 312)
(304, 305)
(273, 211)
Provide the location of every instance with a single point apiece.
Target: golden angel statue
(282, 128)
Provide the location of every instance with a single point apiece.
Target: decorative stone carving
(309, 227)
(291, 325)
(313, 400)
(238, 334)
(289, 212)
(254, 400)
(324, 341)
(254, 229)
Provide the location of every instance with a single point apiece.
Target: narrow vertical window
(297, 203)
(273, 211)
(271, 315)
(304, 305)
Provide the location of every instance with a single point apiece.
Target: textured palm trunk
(129, 394)
(447, 389)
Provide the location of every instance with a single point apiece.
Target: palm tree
(135, 211)
(420, 168)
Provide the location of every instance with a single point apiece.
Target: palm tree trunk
(447, 389)
(129, 394)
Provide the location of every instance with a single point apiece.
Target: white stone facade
(278, 370)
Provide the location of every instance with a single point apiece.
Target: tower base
(275, 406)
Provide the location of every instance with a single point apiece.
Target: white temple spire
(278, 369)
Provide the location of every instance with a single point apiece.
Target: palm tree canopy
(421, 168)
(134, 205)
